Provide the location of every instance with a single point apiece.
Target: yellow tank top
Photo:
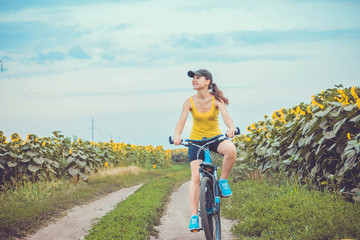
(204, 124)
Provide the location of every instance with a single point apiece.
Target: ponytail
(218, 94)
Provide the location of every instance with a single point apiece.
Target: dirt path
(79, 219)
(175, 222)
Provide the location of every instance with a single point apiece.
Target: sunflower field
(180, 155)
(46, 158)
(317, 143)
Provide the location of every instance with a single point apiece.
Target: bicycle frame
(207, 169)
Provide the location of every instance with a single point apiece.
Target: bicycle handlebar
(171, 141)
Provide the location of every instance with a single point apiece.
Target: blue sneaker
(194, 223)
(225, 188)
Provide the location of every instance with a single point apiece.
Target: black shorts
(193, 150)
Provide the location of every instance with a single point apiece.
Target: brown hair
(218, 94)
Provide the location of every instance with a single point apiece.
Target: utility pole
(1, 66)
(92, 128)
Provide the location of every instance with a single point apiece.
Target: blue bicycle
(209, 203)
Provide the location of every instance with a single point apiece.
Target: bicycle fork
(216, 191)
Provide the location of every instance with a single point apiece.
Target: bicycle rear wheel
(209, 219)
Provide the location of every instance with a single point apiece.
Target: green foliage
(54, 157)
(265, 210)
(135, 217)
(317, 143)
(244, 163)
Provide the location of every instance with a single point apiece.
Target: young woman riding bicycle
(204, 107)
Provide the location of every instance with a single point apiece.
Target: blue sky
(125, 62)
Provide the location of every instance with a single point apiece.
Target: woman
(204, 107)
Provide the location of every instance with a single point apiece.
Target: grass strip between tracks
(135, 217)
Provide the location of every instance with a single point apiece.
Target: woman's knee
(195, 178)
(228, 149)
(231, 152)
(195, 175)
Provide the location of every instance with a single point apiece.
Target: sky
(117, 69)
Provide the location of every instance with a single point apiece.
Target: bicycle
(209, 203)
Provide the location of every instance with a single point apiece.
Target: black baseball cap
(201, 72)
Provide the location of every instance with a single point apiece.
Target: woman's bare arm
(181, 123)
(227, 119)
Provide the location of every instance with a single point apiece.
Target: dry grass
(255, 175)
(111, 171)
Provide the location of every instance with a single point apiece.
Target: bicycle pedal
(196, 230)
(222, 196)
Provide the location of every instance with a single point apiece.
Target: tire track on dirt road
(79, 219)
(175, 223)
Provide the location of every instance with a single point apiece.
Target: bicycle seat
(206, 163)
(207, 166)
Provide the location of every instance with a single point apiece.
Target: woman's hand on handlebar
(230, 133)
(177, 140)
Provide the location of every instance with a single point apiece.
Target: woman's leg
(194, 189)
(227, 148)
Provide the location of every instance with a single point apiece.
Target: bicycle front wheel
(210, 219)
